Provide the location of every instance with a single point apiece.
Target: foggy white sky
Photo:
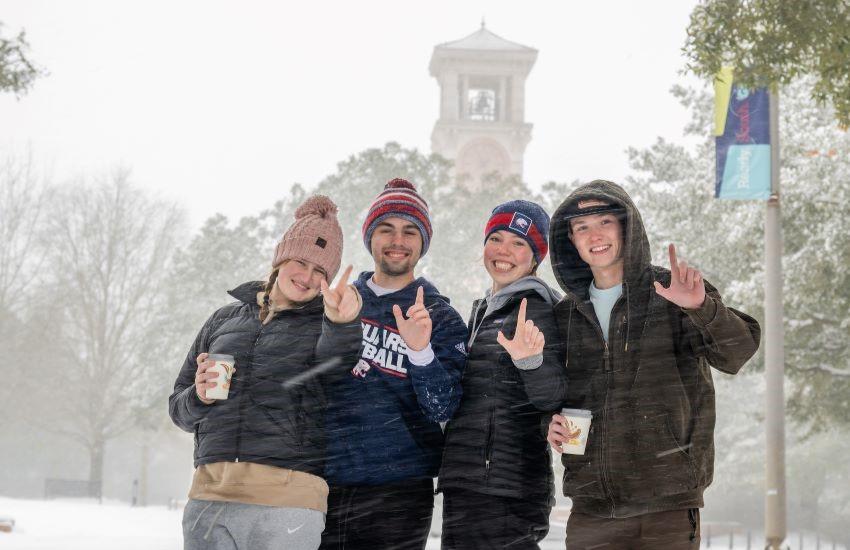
(221, 106)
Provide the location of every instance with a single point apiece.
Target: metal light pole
(774, 356)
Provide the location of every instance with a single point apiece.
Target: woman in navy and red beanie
(496, 475)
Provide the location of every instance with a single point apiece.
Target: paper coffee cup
(578, 420)
(224, 367)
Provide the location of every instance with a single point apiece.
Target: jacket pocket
(659, 464)
(582, 473)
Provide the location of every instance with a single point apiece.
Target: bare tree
(22, 208)
(110, 246)
(22, 198)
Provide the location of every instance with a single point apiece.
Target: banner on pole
(742, 140)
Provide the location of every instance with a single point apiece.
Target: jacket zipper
(242, 399)
(488, 448)
(603, 463)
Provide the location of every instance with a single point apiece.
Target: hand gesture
(416, 329)
(342, 302)
(686, 288)
(527, 341)
(559, 433)
(205, 380)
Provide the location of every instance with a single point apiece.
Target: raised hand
(527, 341)
(686, 288)
(416, 329)
(342, 302)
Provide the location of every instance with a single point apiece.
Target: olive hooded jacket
(651, 443)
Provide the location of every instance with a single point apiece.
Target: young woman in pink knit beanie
(259, 445)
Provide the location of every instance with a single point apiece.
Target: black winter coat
(494, 443)
(265, 419)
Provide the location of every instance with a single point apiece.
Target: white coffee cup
(577, 420)
(224, 367)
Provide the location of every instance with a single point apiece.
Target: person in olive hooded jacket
(640, 340)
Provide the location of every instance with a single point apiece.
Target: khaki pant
(672, 530)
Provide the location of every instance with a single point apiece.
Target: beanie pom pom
(399, 183)
(318, 205)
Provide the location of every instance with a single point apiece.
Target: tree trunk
(143, 477)
(96, 450)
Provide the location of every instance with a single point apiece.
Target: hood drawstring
(475, 329)
(628, 316)
(569, 327)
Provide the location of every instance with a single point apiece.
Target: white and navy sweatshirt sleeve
(437, 383)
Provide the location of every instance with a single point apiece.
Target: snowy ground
(87, 525)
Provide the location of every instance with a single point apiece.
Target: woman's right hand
(204, 379)
(559, 433)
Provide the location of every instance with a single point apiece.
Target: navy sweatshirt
(384, 413)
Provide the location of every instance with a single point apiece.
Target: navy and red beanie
(525, 219)
(399, 199)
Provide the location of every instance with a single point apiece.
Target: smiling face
(396, 246)
(599, 241)
(298, 281)
(507, 257)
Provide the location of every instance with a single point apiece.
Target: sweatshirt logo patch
(461, 348)
(382, 348)
(520, 222)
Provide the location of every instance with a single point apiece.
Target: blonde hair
(272, 279)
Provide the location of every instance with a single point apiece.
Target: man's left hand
(686, 288)
(416, 329)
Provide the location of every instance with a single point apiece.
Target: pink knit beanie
(315, 236)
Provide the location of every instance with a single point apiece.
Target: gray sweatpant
(214, 525)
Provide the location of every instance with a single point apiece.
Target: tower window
(482, 104)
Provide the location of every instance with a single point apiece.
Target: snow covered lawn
(86, 525)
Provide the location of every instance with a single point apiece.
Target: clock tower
(482, 126)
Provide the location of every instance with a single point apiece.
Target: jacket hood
(500, 298)
(572, 273)
(409, 291)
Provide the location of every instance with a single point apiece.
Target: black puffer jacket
(494, 443)
(264, 420)
(651, 442)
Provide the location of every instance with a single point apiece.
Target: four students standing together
(348, 400)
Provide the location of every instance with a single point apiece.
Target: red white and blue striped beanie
(399, 199)
(523, 218)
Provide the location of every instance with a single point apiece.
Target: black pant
(474, 520)
(672, 530)
(380, 517)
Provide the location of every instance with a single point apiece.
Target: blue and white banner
(742, 130)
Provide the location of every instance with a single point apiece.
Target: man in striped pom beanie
(383, 422)
(398, 200)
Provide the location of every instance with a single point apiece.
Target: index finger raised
(343, 279)
(674, 263)
(420, 295)
(520, 320)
